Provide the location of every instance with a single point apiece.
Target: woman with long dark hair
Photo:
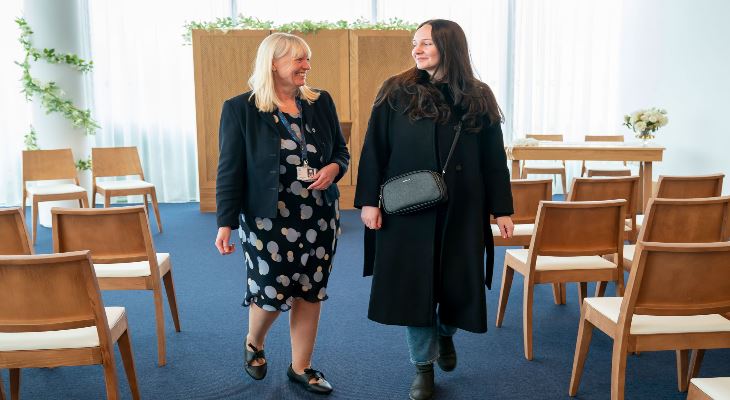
(428, 267)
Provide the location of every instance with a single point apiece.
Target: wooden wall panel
(223, 63)
(350, 65)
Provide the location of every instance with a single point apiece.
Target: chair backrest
(526, 197)
(607, 188)
(701, 220)
(679, 279)
(50, 292)
(689, 187)
(579, 228)
(114, 235)
(604, 138)
(545, 137)
(115, 161)
(39, 165)
(15, 240)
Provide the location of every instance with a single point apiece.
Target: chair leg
(564, 181)
(583, 343)
(125, 350)
(107, 200)
(160, 324)
(582, 291)
(2, 388)
(171, 298)
(557, 295)
(618, 368)
(507, 276)
(34, 211)
(110, 378)
(563, 293)
(14, 383)
(600, 289)
(529, 291)
(695, 362)
(156, 208)
(93, 196)
(682, 370)
(85, 201)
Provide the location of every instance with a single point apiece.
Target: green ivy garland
(306, 26)
(52, 97)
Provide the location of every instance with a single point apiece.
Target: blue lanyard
(301, 142)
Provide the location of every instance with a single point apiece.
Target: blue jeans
(423, 344)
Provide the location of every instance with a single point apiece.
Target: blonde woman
(281, 154)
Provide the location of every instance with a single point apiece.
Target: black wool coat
(400, 255)
(248, 161)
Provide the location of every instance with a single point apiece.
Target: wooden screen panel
(374, 57)
(223, 63)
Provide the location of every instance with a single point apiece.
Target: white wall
(676, 55)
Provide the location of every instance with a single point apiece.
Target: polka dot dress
(290, 256)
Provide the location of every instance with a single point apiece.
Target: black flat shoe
(257, 372)
(422, 386)
(319, 387)
(447, 353)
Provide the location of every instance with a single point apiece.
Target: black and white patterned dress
(290, 256)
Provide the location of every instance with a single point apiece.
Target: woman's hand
(325, 176)
(506, 227)
(223, 241)
(371, 217)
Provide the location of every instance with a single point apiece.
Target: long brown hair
(415, 94)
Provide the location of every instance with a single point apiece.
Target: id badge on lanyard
(305, 173)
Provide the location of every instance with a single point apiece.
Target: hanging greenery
(52, 97)
(306, 26)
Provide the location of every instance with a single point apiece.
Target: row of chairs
(578, 254)
(84, 263)
(588, 168)
(107, 162)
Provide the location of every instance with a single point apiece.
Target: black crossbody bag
(416, 190)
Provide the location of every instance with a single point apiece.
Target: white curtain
(15, 116)
(143, 86)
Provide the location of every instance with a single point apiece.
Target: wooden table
(645, 155)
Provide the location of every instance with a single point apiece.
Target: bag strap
(453, 145)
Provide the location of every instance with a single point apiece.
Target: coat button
(458, 167)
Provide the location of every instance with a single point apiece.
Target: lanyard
(301, 142)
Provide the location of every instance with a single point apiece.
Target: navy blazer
(248, 161)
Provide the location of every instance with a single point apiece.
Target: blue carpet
(362, 359)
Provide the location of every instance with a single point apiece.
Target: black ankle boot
(447, 353)
(422, 386)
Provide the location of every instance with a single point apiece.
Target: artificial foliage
(53, 99)
(306, 26)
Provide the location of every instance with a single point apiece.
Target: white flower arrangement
(645, 122)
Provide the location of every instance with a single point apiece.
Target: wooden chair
(526, 197)
(558, 255)
(604, 168)
(121, 161)
(42, 165)
(125, 261)
(52, 315)
(709, 389)
(15, 240)
(545, 167)
(673, 301)
(686, 187)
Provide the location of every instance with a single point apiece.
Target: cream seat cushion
(629, 250)
(64, 339)
(60, 188)
(651, 324)
(131, 269)
(549, 263)
(123, 185)
(715, 388)
(520, 230)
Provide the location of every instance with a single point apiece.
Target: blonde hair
(275, 46)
